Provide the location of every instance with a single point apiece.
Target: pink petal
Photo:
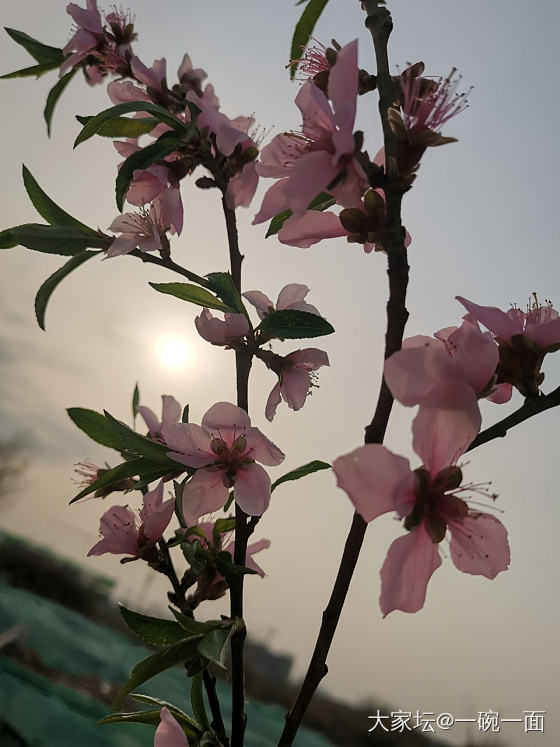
(414, 370)
(291, 294)
(169, 733)
(242, 187)
(278, 156)
(150, 419)
(476, 354)
(375, 480)
(501, 394)
(408, 567)
(494, 319)
(252, 489)
(311, 358)
(119, 531)
(262, 303)
(310, 176)
(316, 112)
(121, 92)
(204, 493)
(261, 449)
(274, 202)
(122, 245)
(224, 415)
(274, 399)
(546, 333)
(448, 420)
(189, 444)
(170, 411)
(310, 228)
(294, 387)
(479, 545)
(343, 92)
(252, 550)
(156, 514)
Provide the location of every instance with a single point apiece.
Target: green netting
(45, 713)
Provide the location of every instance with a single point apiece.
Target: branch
(380, 24)
(527, 410)
(170, 265)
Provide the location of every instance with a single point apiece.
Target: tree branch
(170, 265)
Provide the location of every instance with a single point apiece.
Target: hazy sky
(483, 219)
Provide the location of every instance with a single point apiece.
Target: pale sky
(483, 220)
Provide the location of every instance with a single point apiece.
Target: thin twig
(380, 24)
(169, 264)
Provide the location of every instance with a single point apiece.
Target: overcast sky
(483, 219)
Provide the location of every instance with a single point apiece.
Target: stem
(243, 361)
(170, 265)
(380, 24)
(209, 680)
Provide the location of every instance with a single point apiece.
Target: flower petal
(375, 480)
(169, 733)
(252, 489)
(261, 449)
(204, 493)
(494, 319)
(479, 545)
(189, 444)
(274, 399)
(414, 370)
(408, 567)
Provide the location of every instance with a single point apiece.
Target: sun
(174, 352)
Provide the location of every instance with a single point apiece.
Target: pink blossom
(169, 733)
(88, 33)
(296, 373)
(170, 414)
(224, 449)
(147, 228)
(378, 481)
(524, 338)
(290, 297)
(147, 184)
(321, 157)
(127, 532)
(455, 353)
(221, 331)
(313, 60)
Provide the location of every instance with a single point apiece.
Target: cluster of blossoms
(446, 376)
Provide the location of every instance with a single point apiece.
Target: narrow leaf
(142, 159)
(223, 286)
(45, 291)
(185, 415)
(53, 96)
(197, 702)
(221, 526)
(303, 31)
(34, 70)
(322, 202)
(305, 469)
(40, 52)
(135, 401)
(162, 115)
(153, 630)
(94, 425)
(291, 324)
(139, 444)
(159, 662)
(213, 645)
(192, 627)
(190, 726)
(123, 126)
(47, 208)
(131, 468)
(7, 240)
(65, 240)
(193, 293)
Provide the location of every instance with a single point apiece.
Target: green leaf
(169, 657)
(221, 526)
(185, 415)
(142, 159)
(152, 718)
(305, 469)
(304, 29)
(194, 557)
(197, 702)
(322, 202)
(65, 240)
(140, 466)
(291, 324)
(277, 222)
(129, 439)
(213, 645)
(47, 208)
(7, 240)
(190, 726)
(45, 291)
(162, 115)
(223, 286)
(123, 126)
(135, 401)
(40, 52)
(34, 70)
(195, 627)
(54, 94)
(229, 570)
(153, 630)
(94, 425)
(194, 294)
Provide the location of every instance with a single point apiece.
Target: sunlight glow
(174, 352)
